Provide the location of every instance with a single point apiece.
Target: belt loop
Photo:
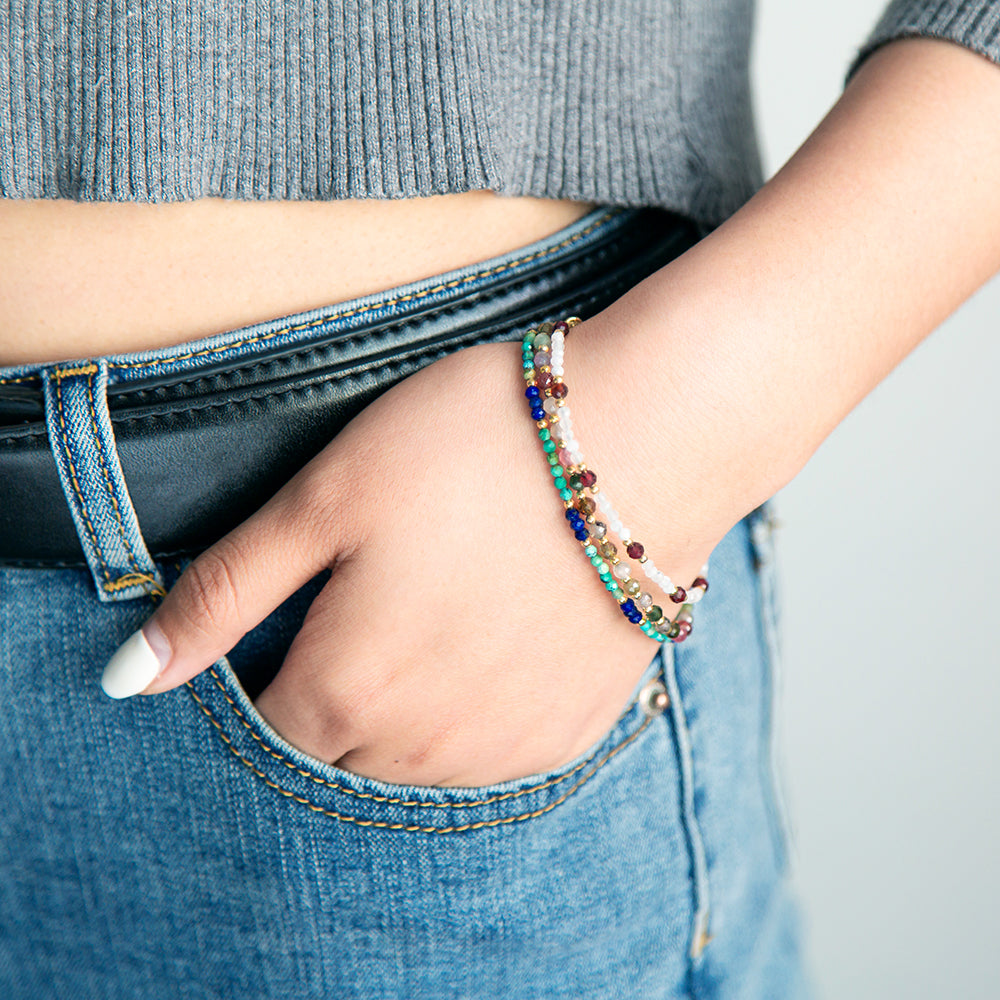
(83, 443)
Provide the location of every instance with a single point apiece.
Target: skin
(491, 650)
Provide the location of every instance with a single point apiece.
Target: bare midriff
(81, 280)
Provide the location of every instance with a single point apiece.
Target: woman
(446, 765)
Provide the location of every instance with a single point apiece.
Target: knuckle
(211, 588)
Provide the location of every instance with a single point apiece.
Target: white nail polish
(132, 669)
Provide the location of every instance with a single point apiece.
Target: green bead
(557, 470)
(591, 551)
(654, 613)
(544, 433)
(560, 483)
(594, 560)
(549, 446)
(565, 494)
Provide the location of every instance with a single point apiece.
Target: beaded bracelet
(542, 358)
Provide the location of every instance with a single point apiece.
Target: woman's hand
(463, 637)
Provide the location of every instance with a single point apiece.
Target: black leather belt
(201, 450)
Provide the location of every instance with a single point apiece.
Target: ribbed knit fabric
(972, 23)
(634, 102)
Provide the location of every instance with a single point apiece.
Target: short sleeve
(972, 23)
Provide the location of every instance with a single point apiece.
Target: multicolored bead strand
(542, 359)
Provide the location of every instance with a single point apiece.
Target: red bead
(700, 582)
(683, 631)
(635, 550)
(544, 380)
(560, 326)
(679, 596)
(588, 478)
(559, 390)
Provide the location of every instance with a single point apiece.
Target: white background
(889, 553)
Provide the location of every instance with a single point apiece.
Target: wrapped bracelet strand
(542, 360)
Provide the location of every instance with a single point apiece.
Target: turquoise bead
(594, 560)
(560, 483)
(591, 551)
(557, 470)
(566, 494)
(549, 446)
(544, 433)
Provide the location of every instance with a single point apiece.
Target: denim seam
(385, 799)
(699, 934)
(371, 306)
(111, 586)
(445, 309)
(404, 827)
(67, 451)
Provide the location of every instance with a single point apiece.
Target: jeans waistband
(122, 461)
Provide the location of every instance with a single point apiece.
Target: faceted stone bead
(549, 404)
(588, 478)
(545, 328)
(701, 583)
(632, 587)
(622, 571)
(560, 390)
(560, 326)
(542, 358)
(576, 481)
(683, 630)
(645, 601)
(607, 549)
(544, 380)
(565, 457)
(674, 630)
(679, 596)
(654, 613)
(598, 529)
(634, 550)
(542, 340)
(587, 506)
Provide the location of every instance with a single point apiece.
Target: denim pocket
(249, 743)
(763, 524)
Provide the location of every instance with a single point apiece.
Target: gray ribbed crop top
(639, 102)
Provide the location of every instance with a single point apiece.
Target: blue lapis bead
(537, 414)
(580, 535)
(628, 606)
(531, 391)
(570, 514)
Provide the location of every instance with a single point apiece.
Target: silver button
(653, 698)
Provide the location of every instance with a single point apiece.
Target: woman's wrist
(707, 387)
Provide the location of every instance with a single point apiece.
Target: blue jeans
(177, 847)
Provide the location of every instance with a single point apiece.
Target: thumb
(224, 593)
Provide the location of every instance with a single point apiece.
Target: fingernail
(136, 663)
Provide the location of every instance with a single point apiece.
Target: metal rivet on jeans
(654, 698)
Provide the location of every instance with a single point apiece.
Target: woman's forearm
(744, 353)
